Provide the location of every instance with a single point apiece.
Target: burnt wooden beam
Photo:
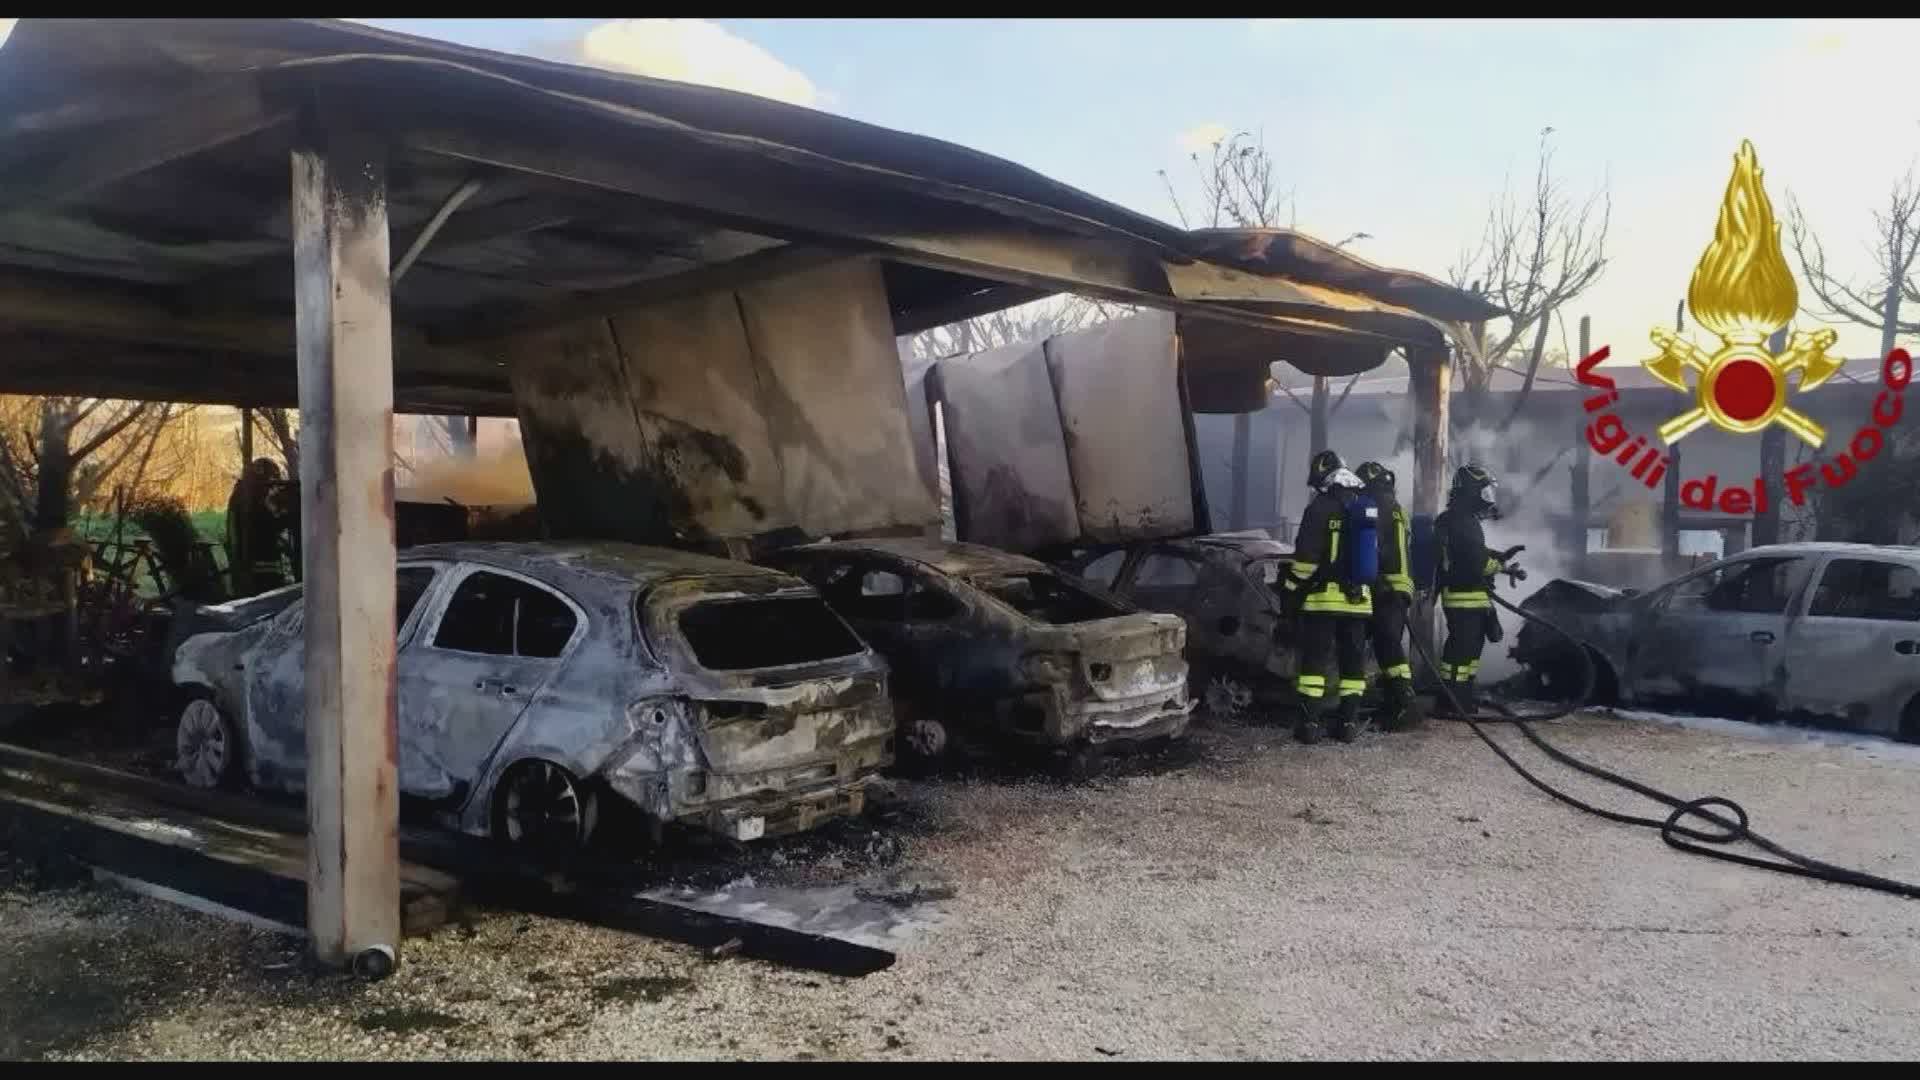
(93, 311)
(1430, 373)
(345, 349)
(989, 297)
(97, 155)
(471, 227)
(824, 213)
(733, 274)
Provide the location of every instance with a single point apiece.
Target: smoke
(497, 477)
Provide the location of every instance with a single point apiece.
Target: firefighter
(1331, 609)
(1392, 598)
(1464, 575)
(255, 531)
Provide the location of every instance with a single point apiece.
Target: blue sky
(1401, 129)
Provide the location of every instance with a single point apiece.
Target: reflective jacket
(1316, 555)
(1466, 565)
(1396, 569)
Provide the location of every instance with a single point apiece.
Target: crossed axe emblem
(1742, 387)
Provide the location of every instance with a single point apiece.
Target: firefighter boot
(1307, 728)
(1463, 692)
(1400, 712)
(1349, 723)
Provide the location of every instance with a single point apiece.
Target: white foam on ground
(1876, 747)
(848, 912)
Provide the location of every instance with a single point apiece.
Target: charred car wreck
(534, 679)
(1821, 632)
(981, 639)
(1239, 643)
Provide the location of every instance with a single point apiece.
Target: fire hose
(1709, 840)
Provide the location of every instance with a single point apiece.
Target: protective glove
(1507, 555)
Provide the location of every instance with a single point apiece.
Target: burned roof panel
(155, 152)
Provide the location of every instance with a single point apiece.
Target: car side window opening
(1867, 589)
(1753, 587)
(1162, 571)
(410, 584)
(1104, 569)
(1046, 597)
(502, 616)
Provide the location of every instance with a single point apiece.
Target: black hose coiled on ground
(1695, 841)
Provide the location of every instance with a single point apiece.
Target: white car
(535, 678)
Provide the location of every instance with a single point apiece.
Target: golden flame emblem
(1743, 291)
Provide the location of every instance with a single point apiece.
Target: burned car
(983, 639)
(535, 678)
(1823, 632)
(1223, 585)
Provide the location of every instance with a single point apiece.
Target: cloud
(1196, 139)
(693, 51)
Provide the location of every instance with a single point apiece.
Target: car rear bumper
(1050, 718)
(770, 802)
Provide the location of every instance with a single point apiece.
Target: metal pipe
(460, 195)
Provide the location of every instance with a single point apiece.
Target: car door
(276, 681)
(493, 641)
(1718, 633)
(906, 617)
(1854, 657)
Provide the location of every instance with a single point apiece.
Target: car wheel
(541, 808)
(1910, 722)
(208, 747)
(925, 738)
(1228, 697)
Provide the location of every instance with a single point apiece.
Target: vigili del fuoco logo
(1743, 292)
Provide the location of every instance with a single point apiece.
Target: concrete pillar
(1431, 376)
(345, 332)
(1580, 520)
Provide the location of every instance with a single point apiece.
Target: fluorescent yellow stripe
(1350, 687)
(1406, 564)
(1400, 671)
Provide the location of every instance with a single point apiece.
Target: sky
(1402, 129)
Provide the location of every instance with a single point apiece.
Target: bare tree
(57, 452)
(1533, 257)
(1875, 302)
(1238, 189)
(1036, 321)
(1860, 510)
(281, 427)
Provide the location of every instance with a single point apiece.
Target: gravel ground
(1406, 897)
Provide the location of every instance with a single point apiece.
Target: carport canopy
(314, 213)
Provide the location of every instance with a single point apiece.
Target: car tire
(541, 809)
(210, 748)
(1910, 721)
(1227, 697)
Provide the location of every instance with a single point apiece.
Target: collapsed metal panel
(592, 472)
(914, 371)
(1117, 388)
(692, 380)
(728, 415)
(832, 398)
(1007, 451)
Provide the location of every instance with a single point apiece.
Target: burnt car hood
(1550, 594)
